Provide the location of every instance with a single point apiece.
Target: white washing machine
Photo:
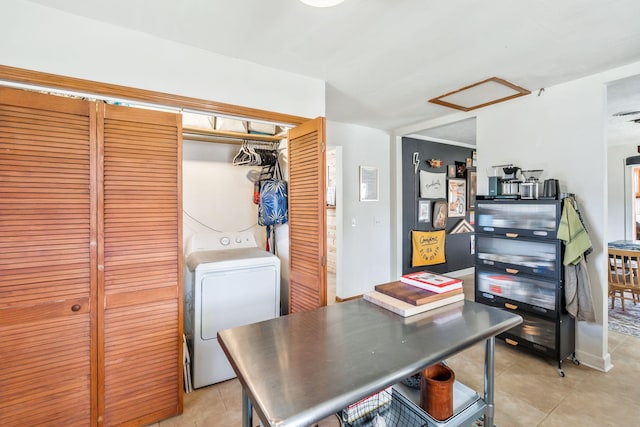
(228, 282)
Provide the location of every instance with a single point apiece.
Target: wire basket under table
(392, 406)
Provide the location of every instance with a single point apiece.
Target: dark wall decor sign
(431, 179)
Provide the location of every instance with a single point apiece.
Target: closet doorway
(333, 159)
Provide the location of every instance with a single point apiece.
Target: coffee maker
(503, 181)
(495, 179)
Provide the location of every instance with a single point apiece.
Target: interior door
(47, 260)
(307, 217)
(140, 262)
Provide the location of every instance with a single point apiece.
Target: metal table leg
(489, 353)
(247, 410)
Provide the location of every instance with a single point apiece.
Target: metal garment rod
(221, 139)
(228, 137)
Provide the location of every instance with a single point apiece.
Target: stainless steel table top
(300, 368)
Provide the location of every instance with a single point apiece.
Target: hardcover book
(432, 282)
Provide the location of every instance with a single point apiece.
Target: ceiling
(382, 60)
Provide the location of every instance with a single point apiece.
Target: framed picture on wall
(368, 184)
(433, 185)
(472, 186)
(457, 197)
(451, 171)
(424, 210)
(439, 220)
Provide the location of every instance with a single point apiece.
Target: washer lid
(195, 259)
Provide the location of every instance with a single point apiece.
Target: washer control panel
(220, 241)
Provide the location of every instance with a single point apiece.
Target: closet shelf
(211, 135)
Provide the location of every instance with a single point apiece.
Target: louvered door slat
(307, 249)
(142, 265)
(45, 260)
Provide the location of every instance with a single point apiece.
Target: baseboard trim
(602, 364)
(338, 299)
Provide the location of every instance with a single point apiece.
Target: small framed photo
(451, 171)
(424, 210)
(368, 184)
(440, 216)
(461, 170)
(457, 197)
(469, 162)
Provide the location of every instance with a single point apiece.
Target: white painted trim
(396, 206)
(593, 361)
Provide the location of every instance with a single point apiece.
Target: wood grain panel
(141, 347)
(47, 288)
(307, 223)
(140, 250)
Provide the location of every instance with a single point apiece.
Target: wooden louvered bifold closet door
(307, 217)
(47, 261)
(141, 253)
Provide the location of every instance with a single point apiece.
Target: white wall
(364, 254)
(217, 196)
(44, 39)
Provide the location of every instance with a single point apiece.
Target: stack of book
(416, 293)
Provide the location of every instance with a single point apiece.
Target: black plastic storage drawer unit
(518, 264)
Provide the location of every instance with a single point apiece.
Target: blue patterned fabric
(273, 206)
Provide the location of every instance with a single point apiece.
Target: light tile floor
(529, 391)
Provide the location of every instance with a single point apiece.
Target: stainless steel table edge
(334, 404)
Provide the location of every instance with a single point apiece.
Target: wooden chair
(623, 275)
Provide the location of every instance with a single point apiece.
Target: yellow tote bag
(427, 248)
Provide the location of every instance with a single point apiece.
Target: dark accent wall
(457, 246)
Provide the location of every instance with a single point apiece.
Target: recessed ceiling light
(322, 3)
(481, 94)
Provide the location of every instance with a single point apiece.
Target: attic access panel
(481, 94)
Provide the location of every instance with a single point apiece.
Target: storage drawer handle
(510, 341)
(76, 307)
(512, 270)
(511, 306)
(512, 235)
